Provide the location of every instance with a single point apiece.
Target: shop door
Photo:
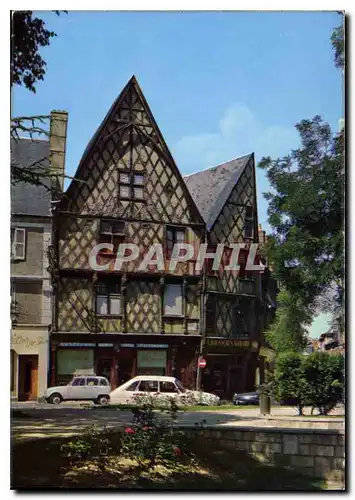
(103, 368)
(28, 377)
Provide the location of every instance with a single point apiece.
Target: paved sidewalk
(54, 421)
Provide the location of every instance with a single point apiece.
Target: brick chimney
(262, 236)
(57, 145)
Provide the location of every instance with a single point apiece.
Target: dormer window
(131, 186)
(113, 233)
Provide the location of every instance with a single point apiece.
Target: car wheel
(103, 400)
(55, 399)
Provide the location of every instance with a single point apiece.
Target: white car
(81, 388)
(160, 387)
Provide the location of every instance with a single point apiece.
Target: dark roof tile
(27, 199)
(211, 188)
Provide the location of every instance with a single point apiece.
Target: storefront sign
(229, 345)
(152, 346)
(76, 344)
(27, 342)
(151, 359)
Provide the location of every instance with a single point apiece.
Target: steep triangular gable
(228, 226)
(129, 140)
(211, 188)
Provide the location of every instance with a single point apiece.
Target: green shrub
(153, 439)
(324, 373)
(316, 380)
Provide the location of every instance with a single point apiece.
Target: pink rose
(129, 430)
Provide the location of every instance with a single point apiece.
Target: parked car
(246, 398)
(160, 387)
(81, 388)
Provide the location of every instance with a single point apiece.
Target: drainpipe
(203, 300)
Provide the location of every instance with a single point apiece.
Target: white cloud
(239, 132)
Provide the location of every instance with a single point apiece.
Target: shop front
(29, 354)
(119, 359)
(231, 366)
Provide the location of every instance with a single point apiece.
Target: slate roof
(211, 188)
(27, 199)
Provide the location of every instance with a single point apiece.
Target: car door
(148, 388)
(168, 389)
(92, 384)
(126, 395)
(77, 389)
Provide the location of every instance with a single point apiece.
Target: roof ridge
(218, 165)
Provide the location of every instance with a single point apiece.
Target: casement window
(108, 299)
(19, 244)
(249, 222)
(131, 186)
(173, 235)
(173, 299)
(113, 233)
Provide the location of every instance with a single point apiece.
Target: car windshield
(180, 386)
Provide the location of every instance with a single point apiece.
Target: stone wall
(319, 453)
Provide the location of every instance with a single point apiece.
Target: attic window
(249, 222)
(112, 233)
(131, 186)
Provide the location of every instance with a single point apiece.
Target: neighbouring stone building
(31, 233)
(119, 323)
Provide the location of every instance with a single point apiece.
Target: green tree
(306, 213)
(338, 44)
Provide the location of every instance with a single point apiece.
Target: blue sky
(220, 85)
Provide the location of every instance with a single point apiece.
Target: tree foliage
(28, 36)
(306, 213)
(338, 44)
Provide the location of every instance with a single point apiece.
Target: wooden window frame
(15, 243)
(114, 237)
(182, 314)
(131, 185)
(250, 220)
(108, 294)
(174, 230)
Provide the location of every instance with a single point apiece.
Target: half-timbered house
(236, 304)
(127, 189)
(121, 321)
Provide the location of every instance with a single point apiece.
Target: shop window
(131, 186)
(108, 299)
(111, 232)
(173, 299)
(18, 248)
(168, 387)
(249, 222)
(148, 386)
(173, 235)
